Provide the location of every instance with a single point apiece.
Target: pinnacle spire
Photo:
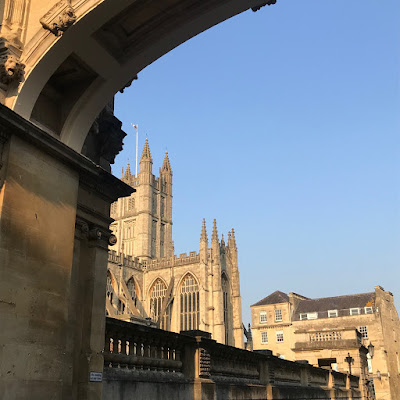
(214, 232)
(127, 172)
(222, 241)
(203, 236)
(146, 155)
(232, 239)
(166, 167)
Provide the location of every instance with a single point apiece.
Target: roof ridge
(335, 297)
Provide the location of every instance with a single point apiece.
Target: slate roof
(336, 303)
(276, 297)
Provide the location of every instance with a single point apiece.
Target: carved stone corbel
(59, 18)
(11, 69)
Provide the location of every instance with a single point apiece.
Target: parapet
(158, 263)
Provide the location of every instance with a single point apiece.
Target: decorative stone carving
(95, 234)
(11, 70)
(129, 83)
(112, 240)
(104, 140)
(266, 3)
(59, 18)
(12, 24)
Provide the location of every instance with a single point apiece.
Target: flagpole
(137, 145)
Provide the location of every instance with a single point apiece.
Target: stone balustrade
(142, 350)
(329, 338)
(135, 354)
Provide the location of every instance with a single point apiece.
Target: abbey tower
(147, 280)
(143, 221)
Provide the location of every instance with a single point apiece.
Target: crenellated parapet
(124, 260)
(159, 263)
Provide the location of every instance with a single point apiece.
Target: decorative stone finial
(166, 167)
(146, 155)
(215, 232)
(203, 236)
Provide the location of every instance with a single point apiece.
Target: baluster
(174, 358)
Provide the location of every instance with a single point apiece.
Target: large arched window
(158, 292)
(225, 293)
(132, 290)
(190, 310)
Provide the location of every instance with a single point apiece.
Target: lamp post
(350, 360)
(371, 350)
(370, 382)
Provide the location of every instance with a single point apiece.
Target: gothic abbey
(146, 280)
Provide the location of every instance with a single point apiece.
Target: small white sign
(96, 377)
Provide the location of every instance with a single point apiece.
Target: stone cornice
(91, 175)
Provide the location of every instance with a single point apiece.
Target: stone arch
(150, 287)
(106, 46)
(189, 302)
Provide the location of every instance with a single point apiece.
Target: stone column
(52, 270)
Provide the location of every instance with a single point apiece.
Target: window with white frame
(303, 317)
(312, 315)
(354, 311)
(368, 310)
(278, 315)
(263, 317)
(279, 336)
(332, 313)
(264, 337)
(364, 332)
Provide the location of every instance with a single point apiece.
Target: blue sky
(284, 124)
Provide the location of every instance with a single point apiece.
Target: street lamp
(371, 349)
(350, 360)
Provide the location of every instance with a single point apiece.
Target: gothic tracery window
(189, 302)
(132, 290)
(158, 292)
(225, 293)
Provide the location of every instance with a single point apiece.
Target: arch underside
(69, 79)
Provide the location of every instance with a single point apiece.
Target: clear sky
(285, 125)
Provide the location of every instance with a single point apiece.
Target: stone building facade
(146, 280)
(328, 330)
